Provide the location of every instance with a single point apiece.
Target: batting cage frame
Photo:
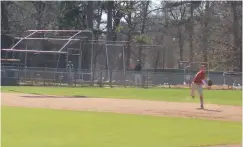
(62, 50)
(77, 37)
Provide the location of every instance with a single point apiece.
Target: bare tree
(110, 6)
(237, 50)
(205, 32)
(192, 5)
(99, 6)
(118, 13)
(145, 6)
(179, 18)
(40, 7)
(4, 18)
(88, 47)
(90, 15)
(131, 25)
(129, 34)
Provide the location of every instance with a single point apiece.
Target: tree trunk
(205, 32)
(90, 15)
(109, 20)
(4, 20)
(117, 16)
(143, 26)
(117, 19)
(40, 7)
(191, 34)
(129, 35)
(181, 42)
(237, 50)
(96, 36)
(6, 41)
(87, 46)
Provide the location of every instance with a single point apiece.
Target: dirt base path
(144, 107)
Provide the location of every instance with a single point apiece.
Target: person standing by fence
(138, 75)
(69, 69)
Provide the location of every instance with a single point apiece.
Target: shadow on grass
(35, 93)
(14, 90)
(46, 96)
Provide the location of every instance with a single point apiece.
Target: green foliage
(143, 39)
(19, 16)
(124, 8)
(73, 15)
(119, 28)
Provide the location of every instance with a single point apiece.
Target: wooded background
(207, 31)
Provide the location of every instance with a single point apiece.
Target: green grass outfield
(225, 97)
(32, 127)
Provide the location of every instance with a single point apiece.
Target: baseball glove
(210, 83)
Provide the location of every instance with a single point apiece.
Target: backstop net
(117, 60)
(108, 58)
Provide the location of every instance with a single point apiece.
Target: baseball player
(138, 74)
(197, 84)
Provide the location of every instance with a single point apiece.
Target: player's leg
(136, 79)
(200, 92)
(193, 87)
(140, 79)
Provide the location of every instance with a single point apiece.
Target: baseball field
(119, 117)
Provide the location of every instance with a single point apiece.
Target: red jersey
(199, 77)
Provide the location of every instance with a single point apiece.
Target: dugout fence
(38, 76)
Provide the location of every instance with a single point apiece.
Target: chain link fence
(61, 77)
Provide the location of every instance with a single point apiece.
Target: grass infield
(30, 127)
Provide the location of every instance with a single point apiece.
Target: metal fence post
(92, 77)
(224, 79)
(110, 80)
(25, 70)
(32, 80)
(143, 78)
(44, 77)
(147, 78)
(75, 76)
(100, 79)
(60, 80)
